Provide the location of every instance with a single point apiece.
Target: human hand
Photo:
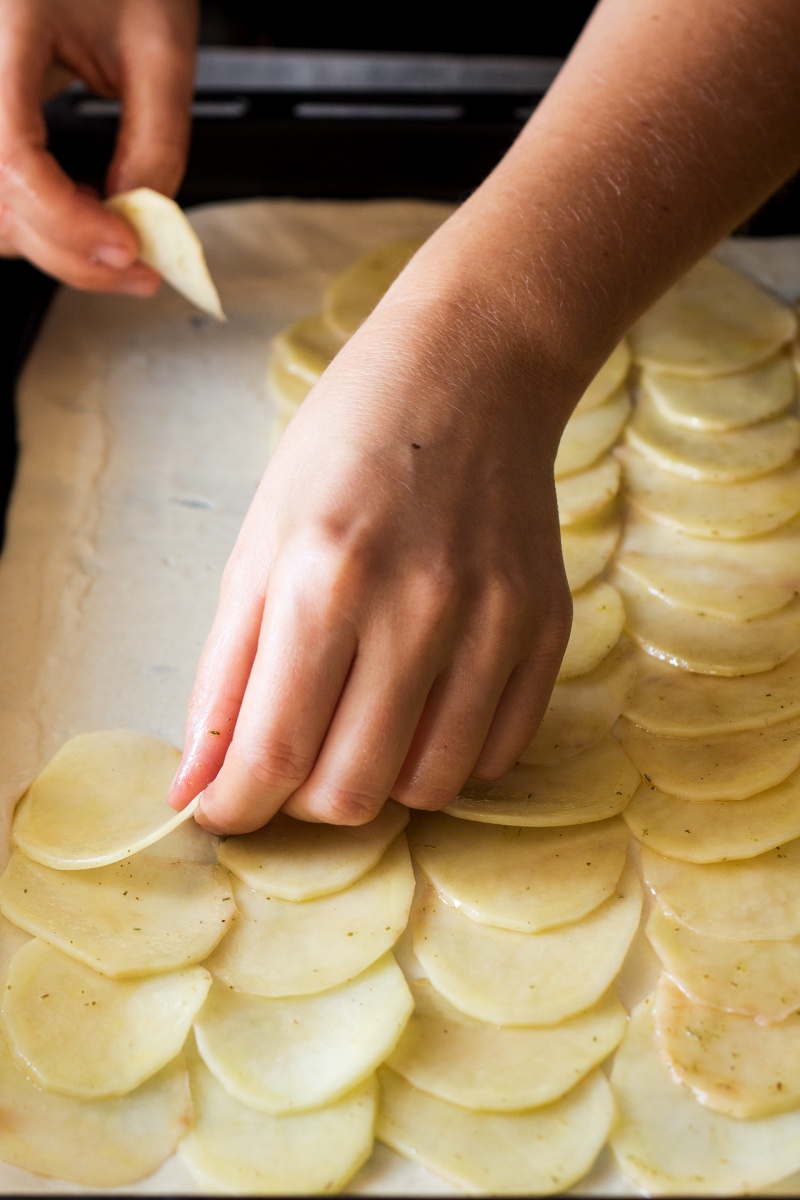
(141, 51)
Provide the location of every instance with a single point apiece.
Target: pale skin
(394, 612)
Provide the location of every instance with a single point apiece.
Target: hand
(139, 50)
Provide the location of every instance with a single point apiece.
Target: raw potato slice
(305, 348)
(280, 1056)
(526, 978)
(588, 549)
(716, 766)
(757, 979)
(724, 457)
(729, 1062)
(667, 1144)
(589, 435)
(753, 899)
(297, 860)
(608, 379)
(705, 644)
(234, 1148)
(714, 321)
(533, 1153)
(284, 948)
(288, 391)
(587, 493)
(501, 1068)
(523, 879)
(137, 917)
(76, 1032)
(727, 402)
(101, 798)
(712, 510)
(169, 245)
(352, 295)
(598, 618)
(595, 784)
(95, 1143)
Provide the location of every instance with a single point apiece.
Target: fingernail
(140, 286)
(114, 256)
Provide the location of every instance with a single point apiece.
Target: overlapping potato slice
(305, 1051)
(714, 321)
(288, 391)
(501, 1068)
(608, 379)
(523, 879)
(598, 618)
(724, 402)
(76, 1032)
(588, 548)
(137, 917)
(95, 1143)
(288, 948)
(667, 1144)
(753, 899)
(715, 766)
(708, 645)
(532, 1153)
(589, 435)
(758, 979)
(731, 1063)
(587, 493)
(595, 784)
(305, 348)
(232, 1147)
(352, 295)
(712, 510)
(297, 860)
(510, 978)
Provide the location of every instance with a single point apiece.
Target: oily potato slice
(532, 1153)
(303, 1052)
(588, 548)
(352, 295)
(523, 879)
(587, 493)
(595, 784)
(598, 618)
(510, 978)
(608, 379)
(141, 916)
(297, 860)
(305, 348)
(589, 435)
(724, 402)
(288, 948)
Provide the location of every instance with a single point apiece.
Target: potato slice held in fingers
(587, 493)
(608, 379)
(724, 402)
(588, 436)
(352, 295)
(598, 618)
(588, 548)
(305, 348)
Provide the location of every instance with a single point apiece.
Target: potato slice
(598, 618)
(757, 979)
(712, 510)
(749, 900)
(285, 948)
(305, 348)
(289, 1055)
(287, 391)
(533, 1153)
(526, 978)
(234, 1148)
(501, 1068)
(143, 915)
(352, 295)
(726, 402)
(730, 1063)
(716, 766)
(608, 379)
(169, 245)
(523, 879)
(667, 1144)
(297, 860)
(588, 549)
(714, 321)
(595, 784)
(589, 435)
(588, 492)
(76, 1032)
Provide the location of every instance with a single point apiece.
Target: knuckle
(274, 764)
(425, 794)
(345, 806)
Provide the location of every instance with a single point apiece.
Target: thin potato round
(305, 348)
(352, 295)
(286, 390)
(598, 618)
(726, 402)
(588, 548)
(608, 379)
(589, 435)
(587, 493)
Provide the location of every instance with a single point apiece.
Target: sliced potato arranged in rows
(532, 1153)
(587, 493)
(305, 348)
(608, 379)
(714, 321)
(511, 978)
(501, 1068)
(303, 1052)
(352, 295)
(137, 917)
(514, 878)
(667, 1144)
(731, 1063)
(298, 860)
(757, 979)
(588, 548)
(593, 785)
(751, 899)
(289, 948)
(727, 401)
(598, 618)
(589, 435)
(76, 1032)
